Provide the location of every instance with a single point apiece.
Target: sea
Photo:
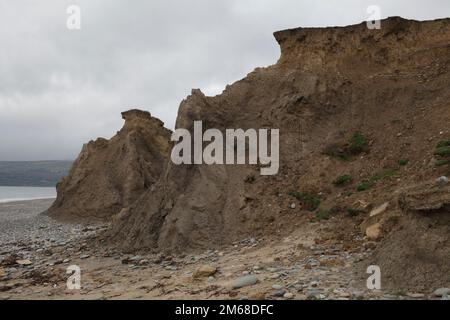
(12, 194)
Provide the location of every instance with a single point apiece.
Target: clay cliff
(109, 175)
(360, 112)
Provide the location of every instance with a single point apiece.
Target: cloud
(61, 88)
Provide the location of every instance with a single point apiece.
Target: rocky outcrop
(109, 175)
(389, 85)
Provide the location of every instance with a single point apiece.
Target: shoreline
(21, 200)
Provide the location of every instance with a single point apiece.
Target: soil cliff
(364, 129)
(110, 175)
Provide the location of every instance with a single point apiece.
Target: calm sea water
(10, 194)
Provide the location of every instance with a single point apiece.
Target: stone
(288, 295)
(374, 231)
(379, 210)
(442, 180)
(24, 262)
(244, 281)
(292, 206)
(84, 256)
(277, 287)
(258, 296)
(204, 271)
(441, 292)
(278, 293)
(2, 273)
(415, 295)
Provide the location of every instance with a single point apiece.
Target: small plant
(363, 186)
(403, 162)
(322, 215)
(352, 212)
(440, 163)
(357, 144)
(336, 151)
(309, 200)
(388, 173)
(442, 151)
(343, 180)
(443, 143)
(250, 179)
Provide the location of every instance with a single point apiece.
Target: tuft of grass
(363, 186)
(343, 180)
(250, 179)
(442, 162)
(336, 151)
(442, 151)
(388, 173)
(357, 144)
(354, 146)
(352, 212)
(322, 215)
(403, 162)
(309, 200)
(443, 143)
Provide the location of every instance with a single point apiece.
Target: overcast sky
(62, 88)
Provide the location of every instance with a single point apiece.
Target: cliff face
(367, 104)
(110, 175)
(390, 85)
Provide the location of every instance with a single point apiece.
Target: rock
(277, 287)
(24, 262)
(441, 292)
(258, 296)
(2, 273)
(84, 256)
(121, 173)
(204, 271)
(288, 295)
(379, 210)
(374, 231)
(278, 293)
(442, 180)
(244, 281)
(143, 262)
(415, 295)
(292, 206)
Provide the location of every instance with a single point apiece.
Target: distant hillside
(33, 173)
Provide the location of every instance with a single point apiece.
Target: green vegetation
(352, 212)
(403, 162)
(442, 162)
(355, 145)
(363, 186)
(442, 151)
(322, 215)
(388, 173)
(250, 179)
(309, 200)
(367, 184)
(443, 143)
(343, 180)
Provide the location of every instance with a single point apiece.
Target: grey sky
(61, 88)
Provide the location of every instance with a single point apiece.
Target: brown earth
(109, 175)
(388, 89)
